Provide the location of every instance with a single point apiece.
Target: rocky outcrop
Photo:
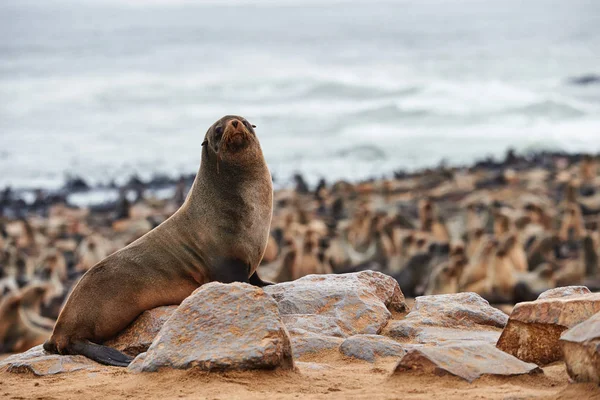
(371, 347)
(221, 327)
(449, 318)
(138, 337)
(581, 349)
(467, 361)
(534, 328)
(40, 363)
(239, 327)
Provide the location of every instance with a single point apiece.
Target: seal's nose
(234, 123)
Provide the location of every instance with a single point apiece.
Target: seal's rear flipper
(256, 281)
(102, 354)
(50, 347)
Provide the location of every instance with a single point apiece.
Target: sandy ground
(326, 377)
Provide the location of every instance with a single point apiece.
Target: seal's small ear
(204, 143)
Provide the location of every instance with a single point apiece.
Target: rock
(456, 310)
(311, 343)
(448, 318)
(299, 324)
(138, 337)
(534, 328)
(408, 332)
(221, 327)
(581, 349)
(370, 347)
(312, 366)
(386, 288)
(467, 361)
(359, 303)
(566, 291)
(38, 362)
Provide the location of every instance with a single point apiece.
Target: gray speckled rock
(385, 287)
(138, 337)
(581, 349)
(442, 319)
(221, 327)
(359, 302)
(424, 334)
(534, 328)
(370, 347)
(456, 310)
(467, 361)
(564, 292)
(299, 324)
(38, 362)
(312, 343)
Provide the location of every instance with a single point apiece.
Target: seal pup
(219, 234)
(288, 259)
(18, 331)
(542, 250)
(32, 298)
(308, 262)
(588, 169)
(444, 277)
(90, 252)
(476, 275)
(503, 271)
(271, 252)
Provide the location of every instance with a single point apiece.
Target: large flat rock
(442, 319)
(581, 349)
(467, 361)
(40, 363)
(357, 303)
(534, 328)
(221, 327)
(456, 310)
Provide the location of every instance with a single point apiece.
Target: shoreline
(78, 192)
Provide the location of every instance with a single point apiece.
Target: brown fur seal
(21, 327)
(219, 234)
(444, 277)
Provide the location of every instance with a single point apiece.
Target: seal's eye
(247, 125)
(218, 133)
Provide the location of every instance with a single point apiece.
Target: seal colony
(220, 234)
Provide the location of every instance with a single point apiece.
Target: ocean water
(340, 89)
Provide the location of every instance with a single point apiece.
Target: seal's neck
(218, 179)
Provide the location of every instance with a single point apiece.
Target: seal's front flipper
(102, 354)
(256, 281)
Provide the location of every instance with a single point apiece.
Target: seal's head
(232, 139)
